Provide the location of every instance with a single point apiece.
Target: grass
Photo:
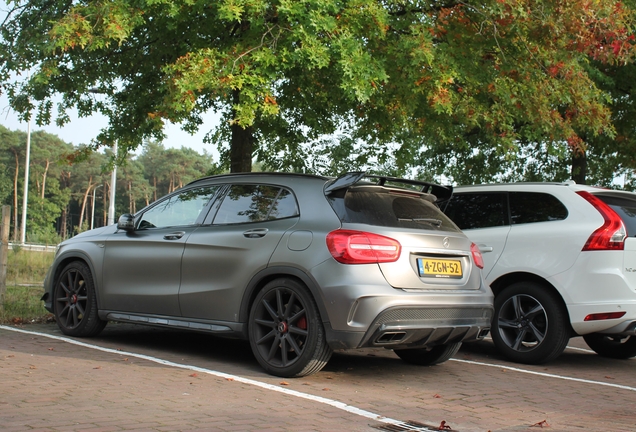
(25, 275)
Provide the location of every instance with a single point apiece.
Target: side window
(478, 210)
(255, 203)
(181, 209)
(530, 207)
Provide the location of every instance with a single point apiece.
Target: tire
(429, 357)
(75, 303)
(612, 346)
(285, 331)
(530, 324)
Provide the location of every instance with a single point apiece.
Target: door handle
(485, 248)
(174, 235)
(255, 233)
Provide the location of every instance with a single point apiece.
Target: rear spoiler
(441, 193)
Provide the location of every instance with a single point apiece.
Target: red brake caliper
(302, 323)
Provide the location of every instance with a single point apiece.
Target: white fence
(32, 247)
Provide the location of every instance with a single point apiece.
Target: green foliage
(22, 304)
(405, 77)
(25, 274)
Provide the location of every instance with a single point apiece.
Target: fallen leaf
(542, 423)
(437, 396)
(444, 426)
(194, 375)
(51, 349)
(284, 383)
(97, 367)
(609, 377)
(326, 389)
(229, 379)
(32, 367)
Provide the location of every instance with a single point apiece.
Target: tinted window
(255, 203)
(625, 208)
(380, 207)
(478, 210)
(529, 207)
(181, 209)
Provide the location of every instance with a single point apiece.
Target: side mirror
(126, 222)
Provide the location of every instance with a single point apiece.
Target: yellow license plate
(440, 267)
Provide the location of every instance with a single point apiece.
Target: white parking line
(543, 374)
(334, 403)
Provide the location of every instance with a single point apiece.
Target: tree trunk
(579, 166)
(242, 144)
(84, 201)
(63, 223)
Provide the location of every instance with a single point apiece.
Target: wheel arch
(66, 259)
(269, 274)
(511, 278)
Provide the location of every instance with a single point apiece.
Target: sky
(83, 130)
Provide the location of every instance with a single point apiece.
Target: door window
(255, 203)
(183, 208)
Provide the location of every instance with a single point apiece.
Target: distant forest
(60, 198)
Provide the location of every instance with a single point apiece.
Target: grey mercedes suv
(299, 265)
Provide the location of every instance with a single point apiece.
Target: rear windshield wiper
(432, 221)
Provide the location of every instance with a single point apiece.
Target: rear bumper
(365, 311)
(418, 327)
(598, 284)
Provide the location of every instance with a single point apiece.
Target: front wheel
(612, 346)
(75, 303)
(429, 356)
(285, 331)
(530, 324)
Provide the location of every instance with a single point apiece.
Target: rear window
(626, 209)
(389, 208)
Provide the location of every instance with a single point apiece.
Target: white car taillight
(609, 236)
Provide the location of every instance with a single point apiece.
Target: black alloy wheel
(530, 324)
(285, 331)
(74, 302)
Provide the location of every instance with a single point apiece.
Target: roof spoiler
(442, 193)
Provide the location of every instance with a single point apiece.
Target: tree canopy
(401, 80)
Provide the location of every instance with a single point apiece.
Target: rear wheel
(530, 323)
(75, 303)
(429, 356)
(612, 346)
(285, 331)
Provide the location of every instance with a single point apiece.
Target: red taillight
(604, 316)
(358, 247)
(611, 235)
(477, 256)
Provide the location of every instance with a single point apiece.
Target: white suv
(561, 260)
